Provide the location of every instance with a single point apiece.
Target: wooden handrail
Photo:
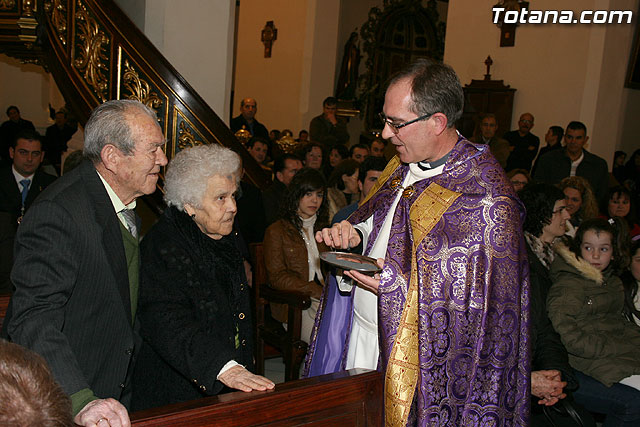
(345, 398)
(95, 53)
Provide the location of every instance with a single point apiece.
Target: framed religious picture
(633, 70)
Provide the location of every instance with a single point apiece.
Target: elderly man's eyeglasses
(395, 127)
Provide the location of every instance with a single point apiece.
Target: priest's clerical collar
(424, 165)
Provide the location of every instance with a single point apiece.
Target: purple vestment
(453, 298)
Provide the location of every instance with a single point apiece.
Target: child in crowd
(585, 305)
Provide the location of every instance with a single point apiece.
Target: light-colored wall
(561, 72)
(31, 89)
(290, 86)
(198, 41)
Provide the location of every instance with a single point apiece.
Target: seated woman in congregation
(194, 306)
(581, 201)
(519, 178)
(291, 254)
(585, 306)
(552, 379)
(620, 203)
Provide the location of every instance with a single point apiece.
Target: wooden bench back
(352, 398)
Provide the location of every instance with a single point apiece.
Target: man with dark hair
(452, 296)
(247, 119)
(29, 394)
(359, 152)
(499, 147)
(284, 168)
(20, 184)
(574, 160)
(56, 138)
(258, 148)
(370, 169)
(328, 128)
(76, 264)
(553, 138)
(524, 144)
(9, 130)
(376, 147)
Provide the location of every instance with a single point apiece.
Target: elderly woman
(193, 303)
(551, 375)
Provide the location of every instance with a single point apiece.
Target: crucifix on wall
(508, 30)
(269, 35)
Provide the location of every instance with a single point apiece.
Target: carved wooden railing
(95, 53)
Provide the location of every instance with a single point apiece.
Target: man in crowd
(574, 160)
(328, 128)
(368, 174)
(76, 264)
(524, 144)
(9, 130)
(284, 168)
(553, 138)
(359, 152)
(258, 148)
(453, 291)
(56, 139)
(20, 184)
(247, 118)
(499, 147)
(377, 146)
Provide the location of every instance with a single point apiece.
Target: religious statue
(348, 77)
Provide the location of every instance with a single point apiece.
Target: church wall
(290, 86)
(198, 41)
(561, 72)
(31, 89)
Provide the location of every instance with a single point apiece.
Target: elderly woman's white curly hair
(189, 172)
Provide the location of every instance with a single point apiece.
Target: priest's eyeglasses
(395, 127)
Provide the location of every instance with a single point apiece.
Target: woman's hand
(241, 379)
(340, 236)
(547, 385)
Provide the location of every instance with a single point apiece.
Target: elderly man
(247, 119)
(524, 144)
(76, 264)
(453, 292)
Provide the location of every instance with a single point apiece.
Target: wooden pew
(352, 398)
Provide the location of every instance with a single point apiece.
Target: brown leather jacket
(285, 256)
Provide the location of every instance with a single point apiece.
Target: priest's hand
(340, 236)
(548, 386)
(368, 282)
(103, 413)
(243, 380)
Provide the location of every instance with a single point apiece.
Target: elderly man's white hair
(189, 172)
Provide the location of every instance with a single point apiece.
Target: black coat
(193, 300)
(547, 350)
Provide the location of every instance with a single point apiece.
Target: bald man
(247, 118)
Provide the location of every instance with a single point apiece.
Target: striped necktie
(129, 216)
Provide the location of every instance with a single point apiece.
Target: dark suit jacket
(10, 195)
(258, 128)
(10, 209)
(72, 303)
